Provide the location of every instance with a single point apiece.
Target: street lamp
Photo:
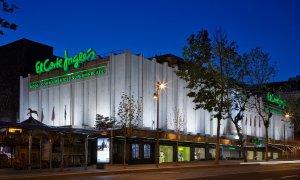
(159, 87)
(287, 116)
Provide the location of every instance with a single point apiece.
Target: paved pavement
(118, 169)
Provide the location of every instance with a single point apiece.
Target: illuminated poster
(103, 150)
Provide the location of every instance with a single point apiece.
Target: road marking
(268, 179)
(292, 176)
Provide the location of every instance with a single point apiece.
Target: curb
(50, 176)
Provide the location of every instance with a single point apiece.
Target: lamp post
(284, 140)
(159, 86)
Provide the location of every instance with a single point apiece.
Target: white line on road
(292, 176)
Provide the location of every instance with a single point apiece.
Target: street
(261, 172)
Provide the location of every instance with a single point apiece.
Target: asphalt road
(255, 172)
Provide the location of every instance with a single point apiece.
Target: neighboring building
(17, 58)
(73, 97)
(290, 91)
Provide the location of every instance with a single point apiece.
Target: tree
(129, 113)
(207, 71)
(4, 23)
(103, 123)
(178, 124)
(293, 110)
(239, 100)
(260, 72)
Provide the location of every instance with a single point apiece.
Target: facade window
(135, 151)
(147, 151)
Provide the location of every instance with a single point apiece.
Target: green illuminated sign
(68, 77)
(257, 141)
(46, 66)
(276, 99)
(231, 148)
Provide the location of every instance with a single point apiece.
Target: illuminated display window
(147, 151)
(165, 154)
(259, 155)
(250, 155)
(68, 77)
(212, 153)
(275, 155)
(183, 153)
(135, 151)
(199, 153)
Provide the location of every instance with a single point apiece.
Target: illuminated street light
(287, 116)
(159, 87)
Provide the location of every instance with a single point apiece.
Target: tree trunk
(241, 142)
(124, 152)
(217, 154)
(267, 145)
(177, 148)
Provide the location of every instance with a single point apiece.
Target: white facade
(77, 102)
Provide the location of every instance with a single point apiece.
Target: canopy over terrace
(21, 138)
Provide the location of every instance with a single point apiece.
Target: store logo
(46, 66)
(276, 99)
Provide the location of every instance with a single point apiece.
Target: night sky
(155, 27)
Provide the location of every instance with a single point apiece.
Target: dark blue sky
(158, 27)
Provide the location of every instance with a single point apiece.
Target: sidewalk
(118, 169)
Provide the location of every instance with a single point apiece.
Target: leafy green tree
(129, 113)
(260, 72)
(209, 68)
(293, 109)
(4, 23)
(239, 98)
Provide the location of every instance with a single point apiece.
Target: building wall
(77, 102)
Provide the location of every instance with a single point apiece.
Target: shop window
(135, 151)
(250, 155)
(259, 155)
(275, 155)
(165, 154)
(147, 151)
(183, 153)
(211, 153)
(199, 153)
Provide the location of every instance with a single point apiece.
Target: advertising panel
(103, 150)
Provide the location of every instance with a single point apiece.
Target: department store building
(71, 90)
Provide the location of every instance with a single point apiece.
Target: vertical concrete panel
(170, 99)
(119, 82)
(33, 102)
(56, 98)
(103, 96)
(91, 103)
(24, 98)
(78, 103)
(45, 106)
(66, 103)
(163, 98)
